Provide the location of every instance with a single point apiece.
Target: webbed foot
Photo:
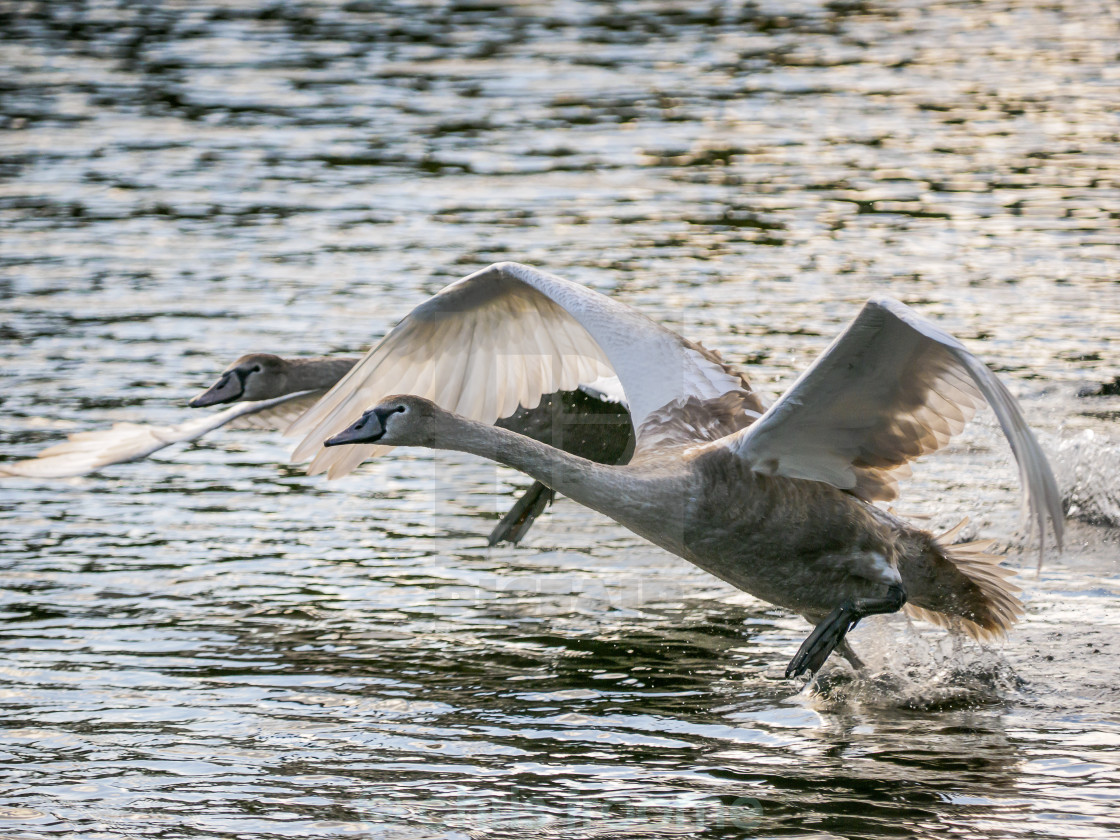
(829, 634)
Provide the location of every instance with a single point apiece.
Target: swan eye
(255, 369)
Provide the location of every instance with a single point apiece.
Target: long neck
(598, 486)
(316, 374)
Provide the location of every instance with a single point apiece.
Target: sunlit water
(208, 644)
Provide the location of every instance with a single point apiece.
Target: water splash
(1087, 467)
(910, 669)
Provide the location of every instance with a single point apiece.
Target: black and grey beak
(369, 428)
(228, 388)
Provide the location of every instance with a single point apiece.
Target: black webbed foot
(522, 515)
(830, 633)
(822, 641)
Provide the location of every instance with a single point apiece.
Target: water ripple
(209, 644)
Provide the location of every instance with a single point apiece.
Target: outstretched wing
(503, 337)
(277, 414)
(86, 452)
(891, 388)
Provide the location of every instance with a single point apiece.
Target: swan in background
(267, 392)
(777, 503)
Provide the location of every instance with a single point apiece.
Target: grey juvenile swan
(269, 392)
(778, 505)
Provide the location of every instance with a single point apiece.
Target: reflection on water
(208, 644)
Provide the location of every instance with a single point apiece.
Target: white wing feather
(503, 337)
(891, 388)
(85, 452)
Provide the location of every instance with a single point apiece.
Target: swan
(777, 502)
(269, 392)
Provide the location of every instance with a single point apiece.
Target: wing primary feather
(85, 452)
(892, 387)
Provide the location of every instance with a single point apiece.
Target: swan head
(258, 376)
(396, 421)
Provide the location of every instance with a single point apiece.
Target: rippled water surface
(210, 644)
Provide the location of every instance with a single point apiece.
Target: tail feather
(962, 587)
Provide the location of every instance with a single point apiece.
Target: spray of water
(910, 667)
(1087, 466)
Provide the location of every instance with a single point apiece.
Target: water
(208, 644)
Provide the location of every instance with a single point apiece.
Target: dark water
(211, 645)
